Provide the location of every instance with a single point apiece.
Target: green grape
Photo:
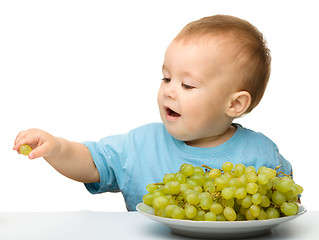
(169, 209)
(198, 179)
(262, 168)
(250, 169)
(272, 213)
(220, 183)
(240, 193)
(214, 173)
(299, 188)
(228, 193)
(187, 169)
(262, 215)
(191, 183)
(239, 169)
(252, 188)
(249, 216)
(289, 196)
(174, 187)
(206, 202)
(263, 179)
(278, 198)
(247, 201)
(270, 173)
(185, 186)
(159, 192)
(148, 199)
(229, 175)
(243, 181)
(289, 209)
(227, 167)
(198, 189)
(234, 183)
(181, 178)
(256, 199)
(265, 202)
(254, 210)
(25, 149)
(275, 181)
(190, 211)
(229, 214)
(192, 198)
(284, 185)
(252, 177)
(178, 213)
(220, 217)
(161, 202)
(198, 170)
(229, 202)
(216, 208)
(169, 177)
(151, 187)
(262, 189)
(203, 195)
(210, 216)
(208, 184)
(160, 212)
(200, 215)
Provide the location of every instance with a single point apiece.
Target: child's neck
(214, 140)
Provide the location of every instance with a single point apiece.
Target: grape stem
(205, 166)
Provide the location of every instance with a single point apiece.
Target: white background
(83, 70)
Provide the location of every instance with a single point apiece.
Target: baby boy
(214, 71)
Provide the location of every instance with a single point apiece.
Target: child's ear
(238, 104)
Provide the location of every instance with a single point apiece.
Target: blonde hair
(249, 49)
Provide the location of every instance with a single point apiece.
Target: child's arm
(71, 159)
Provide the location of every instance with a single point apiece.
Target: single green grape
(289, 209)
(206, 202)
(254, 210)
(210, 216)
(190, 211)
(230, 214)
(284, 185)
(228, 193)
(187, 169)
(252, 188)
(25, 149)
(239, 169)
(216, 208)
(227, 167)
(240, 193)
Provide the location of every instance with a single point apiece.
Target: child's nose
(170, 91)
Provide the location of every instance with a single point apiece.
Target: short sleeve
(107, 155)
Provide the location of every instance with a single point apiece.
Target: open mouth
(172, 113)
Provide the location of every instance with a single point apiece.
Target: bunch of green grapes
(228, 194)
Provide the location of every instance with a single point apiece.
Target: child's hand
(42, 143)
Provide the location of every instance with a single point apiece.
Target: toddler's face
(196, 89)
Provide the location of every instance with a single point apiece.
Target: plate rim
(245, 222)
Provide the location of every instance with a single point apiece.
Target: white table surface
(122, 225)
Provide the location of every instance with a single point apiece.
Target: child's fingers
(29, 137)
(37, 152)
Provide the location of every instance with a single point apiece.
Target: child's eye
(187, 86)
(167, 80)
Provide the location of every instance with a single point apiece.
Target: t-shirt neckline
(218, 150)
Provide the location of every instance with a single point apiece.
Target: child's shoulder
(256, 138)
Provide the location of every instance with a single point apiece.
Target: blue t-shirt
(128, 162)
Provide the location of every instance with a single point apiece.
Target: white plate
(218, 229)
